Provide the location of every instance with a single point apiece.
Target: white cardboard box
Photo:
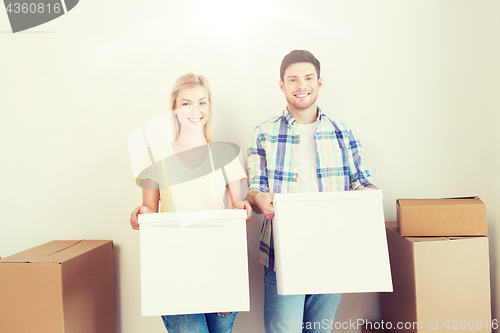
(194, 262)
(331, 242)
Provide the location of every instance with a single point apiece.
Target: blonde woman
(191, 182)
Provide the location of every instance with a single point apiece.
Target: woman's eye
(185, 104)
(203, 103)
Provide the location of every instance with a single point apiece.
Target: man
(301, 150)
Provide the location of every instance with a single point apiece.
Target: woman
(191, 158)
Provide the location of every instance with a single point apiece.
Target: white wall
(418, 82)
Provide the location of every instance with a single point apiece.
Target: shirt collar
(290, 120)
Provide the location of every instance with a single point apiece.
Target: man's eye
(292, 80)
(309, 78)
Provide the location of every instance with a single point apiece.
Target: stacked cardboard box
(441, 217)
(440, 274)
(59, 287)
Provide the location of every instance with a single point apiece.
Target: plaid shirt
(273, 161)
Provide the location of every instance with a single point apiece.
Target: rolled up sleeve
(359, 175)
(257, 165)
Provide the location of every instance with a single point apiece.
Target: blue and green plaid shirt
(273, 161)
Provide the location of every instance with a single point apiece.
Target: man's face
(301, 85)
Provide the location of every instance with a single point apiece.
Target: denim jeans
(200, 323)
(297, 313)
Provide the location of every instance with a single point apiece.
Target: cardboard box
(194, 262)
(442, 217)
(438, 282)
(59, 287)
(329, 242)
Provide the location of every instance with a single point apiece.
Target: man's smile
(302, 95)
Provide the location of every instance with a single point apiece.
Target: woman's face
(192, 107)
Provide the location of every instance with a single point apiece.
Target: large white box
(194, 262)
(330, 242)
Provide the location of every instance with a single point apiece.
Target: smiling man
(300, 150)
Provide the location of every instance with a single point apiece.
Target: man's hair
(298, 56)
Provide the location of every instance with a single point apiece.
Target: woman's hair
(191, 80)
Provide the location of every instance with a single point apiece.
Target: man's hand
(134, 217)
(262, 203)
(245, 205)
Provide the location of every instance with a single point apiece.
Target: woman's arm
(234, 190)
(150, 200)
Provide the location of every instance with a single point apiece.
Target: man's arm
(260, 198)
(359, 175)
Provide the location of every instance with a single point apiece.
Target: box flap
(54, 252)
(335, 195)
(392, 226)
(440, 202)
(186, 218)
(416, 239)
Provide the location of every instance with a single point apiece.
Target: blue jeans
(200, 323)
(297, 313)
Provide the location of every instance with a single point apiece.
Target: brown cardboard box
(59, 287)
(438, 281)
(441, 217)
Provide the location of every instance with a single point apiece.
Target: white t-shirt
(307, 178)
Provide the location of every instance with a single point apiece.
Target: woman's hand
(134, 217)
(245, 205)
(150, 201)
